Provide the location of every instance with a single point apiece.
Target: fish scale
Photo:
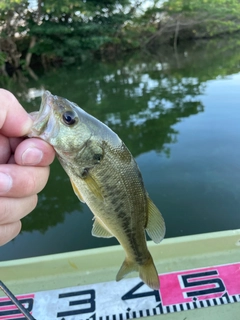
(127, 213)
(106, 177)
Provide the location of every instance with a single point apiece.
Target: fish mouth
(43, 119)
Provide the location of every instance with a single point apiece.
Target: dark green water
(179, 114)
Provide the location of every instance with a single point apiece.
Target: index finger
(14, 120)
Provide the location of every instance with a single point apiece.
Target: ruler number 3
(84, 297)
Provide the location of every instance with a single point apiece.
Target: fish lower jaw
(34, 133)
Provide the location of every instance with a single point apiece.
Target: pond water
(178, 113)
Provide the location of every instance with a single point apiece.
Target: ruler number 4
(131, 294)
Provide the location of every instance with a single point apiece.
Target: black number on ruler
(11, 310)
(132, 295)
(189, 281)
(90, 302)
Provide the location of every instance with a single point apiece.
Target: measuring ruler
(131, 298)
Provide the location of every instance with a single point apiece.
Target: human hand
(24, 166)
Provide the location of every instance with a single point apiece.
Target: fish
(106, 177)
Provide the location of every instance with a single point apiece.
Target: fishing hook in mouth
(14, 300)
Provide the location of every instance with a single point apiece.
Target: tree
(12, 15)
(69, 31)
(192, 19)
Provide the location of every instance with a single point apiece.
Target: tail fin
(147, 272)
(149, 275)
(127, 267)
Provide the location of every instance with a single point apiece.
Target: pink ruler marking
(200, 284)
(5, 310)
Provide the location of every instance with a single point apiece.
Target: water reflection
(55, 202)
(148, 101)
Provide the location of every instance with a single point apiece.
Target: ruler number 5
(199, 280)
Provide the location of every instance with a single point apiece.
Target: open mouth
(41, 117)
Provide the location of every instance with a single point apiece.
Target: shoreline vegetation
(44, 33)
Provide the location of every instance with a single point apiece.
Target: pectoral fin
(94, 187)
(99, 231)
(155, 226)
(77, 192)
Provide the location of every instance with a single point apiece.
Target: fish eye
(69, 117)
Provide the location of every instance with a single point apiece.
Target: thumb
(14, 120)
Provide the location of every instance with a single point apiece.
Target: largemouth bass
(106, 177)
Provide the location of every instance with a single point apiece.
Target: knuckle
(4, 212)
(9, 231)
(14, 209)
(34, 201)
(30, 184)
(36, 180)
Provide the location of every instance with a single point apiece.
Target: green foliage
(68, 30)
(210, 17)
(2, 58)
(6, 5)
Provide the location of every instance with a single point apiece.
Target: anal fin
(99, 231)
(155, 226)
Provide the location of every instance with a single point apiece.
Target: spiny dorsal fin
(99, 231)
(77, 192)
(156, 226)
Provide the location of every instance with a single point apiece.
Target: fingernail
(32, 156)
(5, 183)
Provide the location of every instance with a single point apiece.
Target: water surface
(178, 113)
